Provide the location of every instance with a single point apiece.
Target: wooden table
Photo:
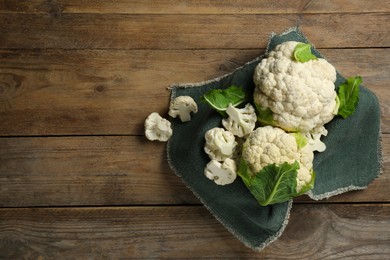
(78, 179)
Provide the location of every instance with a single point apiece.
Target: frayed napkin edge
(172, 88)
(329, 194)
(273, 34)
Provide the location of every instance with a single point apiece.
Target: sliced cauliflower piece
(220, 144)
(271, 145)
(299, 96)
(182, 106)
(221, 173)
(314, 139)
(241, 121)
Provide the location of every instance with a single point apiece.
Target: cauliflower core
(268, 145)
(300, 95)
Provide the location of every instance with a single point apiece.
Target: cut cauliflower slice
(271, 145)
(299, 96)
(314, 139)
(241, 121)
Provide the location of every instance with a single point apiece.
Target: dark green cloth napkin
(351, 161)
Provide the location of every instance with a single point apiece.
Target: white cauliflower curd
(221, 173)
(220, 144)
(300, 96)
(271, 145)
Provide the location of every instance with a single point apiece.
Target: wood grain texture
(194, 6)
(87, 171)
(313, 232)
(64, 171)
(133, 31)
(108, 92)
(78, 180)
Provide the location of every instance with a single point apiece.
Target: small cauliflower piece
(182, 106)
(314, 139)
(299, 96)
(240, 121)
(220, 144)
(221, 173)
(157, 128)
(271, 145)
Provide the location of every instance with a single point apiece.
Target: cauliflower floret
(183, 106)
(220, 144)
(240, 121)
(221, 173)
(271, 145)
(314, 139)
(300, 95)
(157, 128)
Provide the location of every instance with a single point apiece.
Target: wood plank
(57, 92)
(64, 171)
(133, 31)
(326, 232)
(87, 171)
(98, 92)
(194, 6)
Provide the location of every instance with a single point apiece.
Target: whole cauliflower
(300, 96)
(271, 145)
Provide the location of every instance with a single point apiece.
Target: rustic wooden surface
(78, 180)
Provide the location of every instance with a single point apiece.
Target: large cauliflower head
(300, 95)
(271, 145)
